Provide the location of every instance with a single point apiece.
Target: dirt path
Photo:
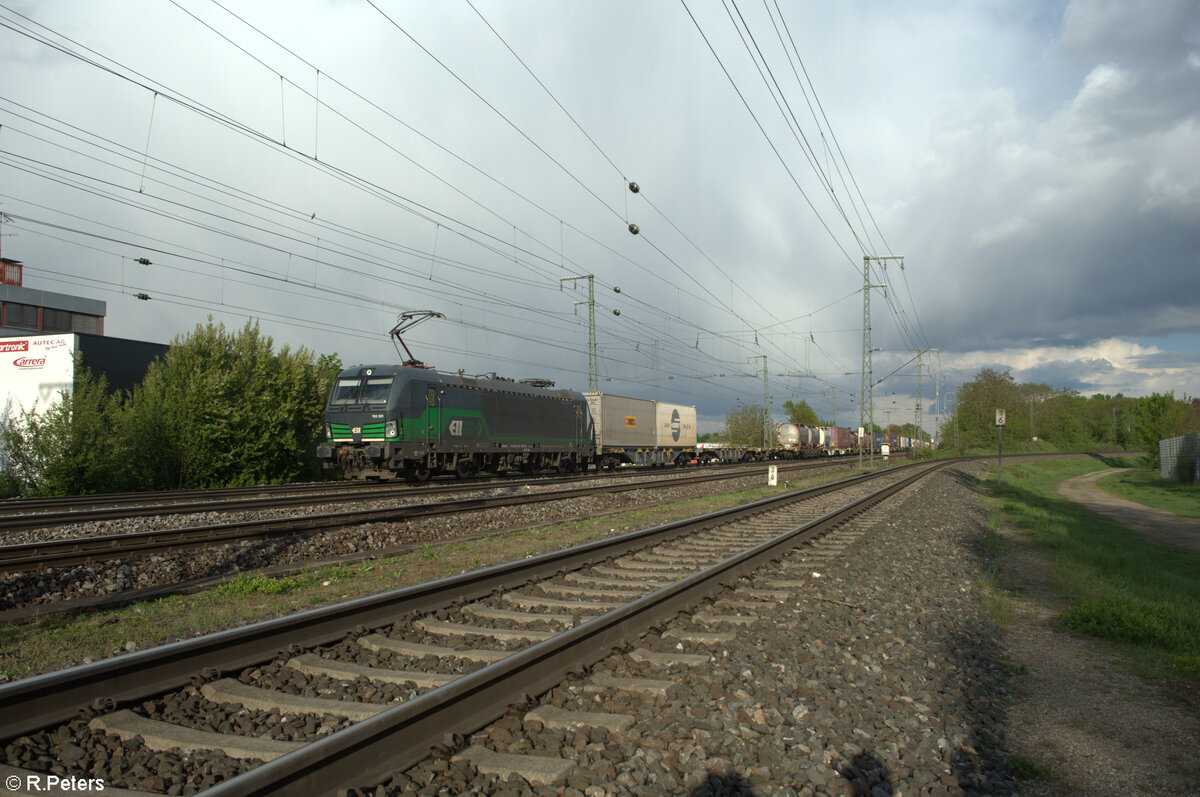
(1158, 525)
(1078, 714)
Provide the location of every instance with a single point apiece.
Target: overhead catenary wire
(648, 271)
(492, 243)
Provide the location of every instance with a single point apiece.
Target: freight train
(400, 421)
(798, 440)
(409, 422)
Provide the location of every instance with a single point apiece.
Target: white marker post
(1000, 449)
(773, 475)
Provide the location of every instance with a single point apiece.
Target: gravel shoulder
(1085, 723)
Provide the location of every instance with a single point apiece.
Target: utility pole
(833, 398)
(917, 419)
(591, 303)
(866, 406)
(936, 437)
(766, 400)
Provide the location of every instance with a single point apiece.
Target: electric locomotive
(401, 421)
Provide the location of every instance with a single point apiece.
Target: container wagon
(632, 431)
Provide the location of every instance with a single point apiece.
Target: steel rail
(37, 702)
(38, 514)
(367, 752)
(168, 500)
(80, 550)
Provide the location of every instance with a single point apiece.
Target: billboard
(34, 371)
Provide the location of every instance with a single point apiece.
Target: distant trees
(1063, 418)
(221, 409)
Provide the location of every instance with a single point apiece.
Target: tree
(224, 409)
(1063, 418)
(976, 409)
(1158, 417)
(744, 426)
(801, 413)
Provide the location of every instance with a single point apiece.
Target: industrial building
(46, 336)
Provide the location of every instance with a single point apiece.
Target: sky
(1022, 175)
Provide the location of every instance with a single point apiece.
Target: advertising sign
(34, 371)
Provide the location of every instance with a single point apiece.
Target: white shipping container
(676, 425)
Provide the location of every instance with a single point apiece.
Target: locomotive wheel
(420, 473)
(465, 469)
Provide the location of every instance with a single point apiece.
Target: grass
(1144, 485)
(1141, 596)
(52, 643)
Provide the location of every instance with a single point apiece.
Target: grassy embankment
(1142, 597)
(30, 648)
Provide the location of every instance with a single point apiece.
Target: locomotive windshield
(357, 391)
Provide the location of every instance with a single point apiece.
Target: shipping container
(633, 431)
(788, 435)
(622, 422)
(843, 440)
(675, 425)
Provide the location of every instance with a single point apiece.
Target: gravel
(116, 576)
(882, 677)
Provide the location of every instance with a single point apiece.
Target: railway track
(456, 653)
(26, 514)
(62, 552)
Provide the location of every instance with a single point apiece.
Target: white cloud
(1111, 365)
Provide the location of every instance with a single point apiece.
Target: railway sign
(999, 417)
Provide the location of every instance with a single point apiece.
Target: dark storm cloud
(1081, 224)
(1169, 359)
(1084, 376)
(1035, 163)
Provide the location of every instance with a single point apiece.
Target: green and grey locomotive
(396, 421)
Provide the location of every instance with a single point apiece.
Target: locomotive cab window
(344, 392)
(350, 391)
(376, 390)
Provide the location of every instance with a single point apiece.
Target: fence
(1169, 451)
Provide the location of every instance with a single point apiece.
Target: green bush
(220, 409)
(68, 448)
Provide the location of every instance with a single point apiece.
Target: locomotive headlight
(328, 432)
(391, 429)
